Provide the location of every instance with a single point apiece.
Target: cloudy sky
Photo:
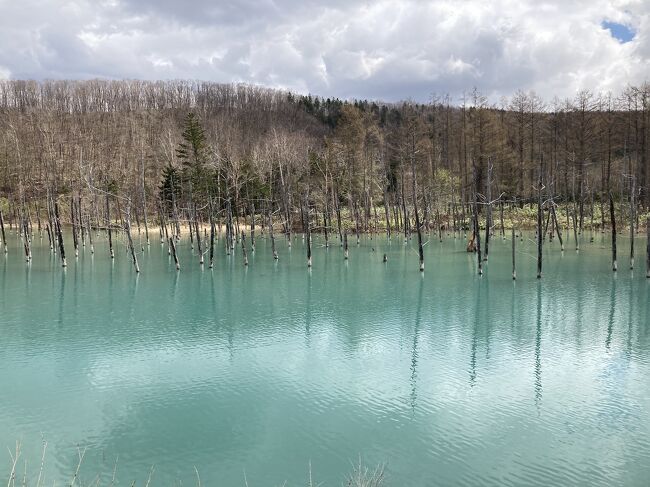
(390, 50)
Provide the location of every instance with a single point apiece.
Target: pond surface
(448, 378)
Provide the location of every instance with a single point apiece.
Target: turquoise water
(448, 378)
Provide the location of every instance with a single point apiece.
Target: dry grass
(360, 475)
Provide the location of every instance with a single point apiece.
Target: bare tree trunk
(613, 218)
(90, 234)
(50, 220)
(488, 212)
(647, 257)
(175, 216)
(308, 240)
(557, 227)
(327, 243)
(356, 221)
(198, 235)
(514, 269)
(59, 234)
(162, 223)
(211, 235)
(75, 234)
(80, 219)
(386, 213)
(108, 224)
(275, 253)
(49, 236)
(632, 221)
(2, 231)
(253, 229)
(415, 207)
(503, 228)
(26, 239)
(172, 246)
(127, 227)
(540, 230)
(477, 236)
(575, 227)
(144, 206)
(591, 238)
(243, 248)
(38, 220)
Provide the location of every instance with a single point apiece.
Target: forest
(168, 155)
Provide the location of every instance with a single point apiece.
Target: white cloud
(386, 49)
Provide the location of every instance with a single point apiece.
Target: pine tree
(170, 187)
(192, 150)
(192, 153)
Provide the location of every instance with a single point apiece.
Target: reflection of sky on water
(443, 376)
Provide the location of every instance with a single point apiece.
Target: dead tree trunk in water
(327, 240)
(308, 227)
(356, 221)
(175, 216)
(90, 234)
(488, 211)
(415, 206)
(613, 218)
(477, 236)
(337, 209)
(108, 224)
(211, 235)
(575, 227)
(591, 222)
(50, 224)
(647, 257)
(59, 234)
(275, 253)
(172, 246)
(514, 269)
(80, 220)
(198, 235)
(26, 239)
(161, 220)
(503, 228)
(2, 231)
(632, 222)
(75, 234)
(386, 213)
(540, 230)
(345, 245)
(243, 248)
(144, 205)
(127, 227)
(546, 225)
(557, 226)
(253, 229)
(49, 235)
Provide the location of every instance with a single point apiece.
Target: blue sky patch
(621, 32)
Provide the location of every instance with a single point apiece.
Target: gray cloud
(390, 50)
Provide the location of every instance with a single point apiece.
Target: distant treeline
(157, 146)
